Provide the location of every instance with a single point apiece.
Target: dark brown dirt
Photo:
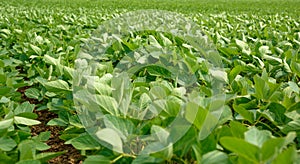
(23, 96)
(72, 156)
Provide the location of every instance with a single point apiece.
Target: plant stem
(121, 156)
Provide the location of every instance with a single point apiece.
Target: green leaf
(6, 123)
(36, 49)
(295, 67)
(294, 87)
(29, 162)
(57, 86)
(261, 87)
(237, 129)
(219, 75)
(50, 60)
(6, 158)
(257, 137)
(26, 149)
(45, 157)
(243, 46)
(28, 115)
(195, 114)
(57, 122)
(290, 137)
(215, 110)
(154, 42)
(166, 41)
(69, 72)
(278, 111)
(288, 156)
(107, 103)
(272, 60)
(84, 142)
(111, 138)
(214, 157)
(159, 150)
(124, 127)
(264, 50)
(160, 134)
(234, 72)
(274, 145)
(165, 152)
(4, 99)
(241, 147)
(155, 70)
(4, 90)
(247, 115)
(32, 93)
(208, 144)
(183, 143)
(157, 92)
(295, 106)
(173, 105)
(122, 92)
(291, 126)
(144, 101)
(41, 146)
(270, 147)
(226, 115)
(25, 107)
(43, 136)
(6, 31)
(25, 121)
(92, 159)
(103, 89)
(7, 144)
(197, 152)
(146, 159)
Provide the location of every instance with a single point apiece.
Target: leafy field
(258, 42)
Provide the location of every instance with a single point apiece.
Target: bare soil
(72, 156)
